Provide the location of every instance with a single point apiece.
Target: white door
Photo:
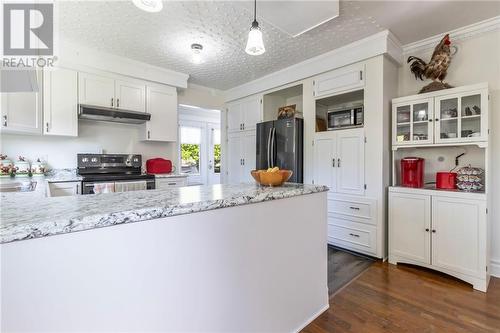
(409, 226)
(162, 105)
(130, 96)
(343, 79)
(325, 163)
(60, 102)
(234, 158)
(96, 90)
(251, 113)
(458, 235)
(249, 146)
(214, 160)
(351, 161)
(234, 117)
(22, 111)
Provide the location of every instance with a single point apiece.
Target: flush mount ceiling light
(255, 44)
(197, 48)
(152, 6)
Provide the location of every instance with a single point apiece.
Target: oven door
(340, 119)
(98, 187)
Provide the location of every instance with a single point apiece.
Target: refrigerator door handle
(269, 148)
(273, 136)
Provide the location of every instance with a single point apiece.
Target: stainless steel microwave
(345, 118)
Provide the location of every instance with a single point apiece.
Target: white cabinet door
(249, 155)
(459, 235)
(60, 102)
(234, 158)
(351, 161)
(325, 163)
(234, 117)
(251, 113)
(63, 189)
(130, 96)
(96, 90)
(409, 226)
(342, 79)
(162, 105)
(413, 122)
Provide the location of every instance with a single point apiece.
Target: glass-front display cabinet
(462, 117)
(412, 122)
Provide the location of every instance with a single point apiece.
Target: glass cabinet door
(461, 118)
(413, 123)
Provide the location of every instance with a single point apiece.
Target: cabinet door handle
(117, 102)
(430, 120)
(243, 161)
(427, 229)
(47, 127)
(437, 119)
(112, 101)
(333, 162)
(243, 126)
(434, 230)
(77, 188)
(354, 208)
(5, 120)
(361, 75)
(354, 235)
(338, 162)
(149, 135)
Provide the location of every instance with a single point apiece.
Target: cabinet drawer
(352, 235)
(364, 211)
(170, 182)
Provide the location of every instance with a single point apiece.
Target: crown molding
(459, 34)
(383, 42)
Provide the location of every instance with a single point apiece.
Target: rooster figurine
(437, 67)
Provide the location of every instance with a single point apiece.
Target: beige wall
(477, 60)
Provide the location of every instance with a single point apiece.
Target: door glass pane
(448, 118)
(421, 121)
(216, 150)
(403, 123)
(471, 116)
(190, 150)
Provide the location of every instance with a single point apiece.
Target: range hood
(100, 113)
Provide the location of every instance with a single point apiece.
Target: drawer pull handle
(354, 208)
(354, 235)
(172, 184)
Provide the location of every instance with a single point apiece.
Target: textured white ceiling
(163, 39)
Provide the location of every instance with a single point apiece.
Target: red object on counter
(412, 172)
(158, 165)
(446, 180)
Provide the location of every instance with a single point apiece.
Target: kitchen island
(202, 258)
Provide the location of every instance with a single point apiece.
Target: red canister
(446, 180)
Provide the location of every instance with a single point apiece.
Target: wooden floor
(388, 298)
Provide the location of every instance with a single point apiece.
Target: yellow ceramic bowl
(271, 178)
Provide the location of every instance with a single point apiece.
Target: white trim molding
(383, 42)
(83, 58)
(495, 267)
(459, 34)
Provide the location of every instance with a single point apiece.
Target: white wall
(60, 152)
(477, 60)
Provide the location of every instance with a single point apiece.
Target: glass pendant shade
(152, 6)
(255, 44)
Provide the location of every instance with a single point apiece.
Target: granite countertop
(62, 175)
(25, 219)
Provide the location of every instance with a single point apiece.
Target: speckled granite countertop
(25, 219)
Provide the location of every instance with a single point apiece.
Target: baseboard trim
(495, 268)
(312, 318)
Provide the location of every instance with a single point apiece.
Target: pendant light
(255, 44)
(197, 48)
(152, 6)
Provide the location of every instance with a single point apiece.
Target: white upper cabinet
(130, 96)
(457, 115)
(244, 115)
(339, 161)
(22, 111)
(343, 79)
(96, 90)
(161, 103)
(107, 92)
(60, 102)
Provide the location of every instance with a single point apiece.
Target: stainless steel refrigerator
(280, 143)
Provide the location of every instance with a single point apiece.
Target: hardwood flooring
(388, 298)
(343, 267)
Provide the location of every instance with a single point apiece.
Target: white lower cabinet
(443, 231)
(63, 189)
(241, 156)
(165, 183)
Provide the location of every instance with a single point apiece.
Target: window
(190, 150)
(216, 143)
